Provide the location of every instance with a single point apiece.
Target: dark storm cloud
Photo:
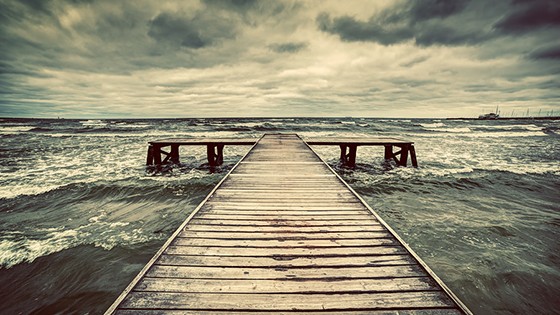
(232, 4)
(350, 29)
(288, 47)
(196, 32)
(445, 35)
(74, 58)
(415, 19)
(528, 16)
(552, 53)
(421, 10)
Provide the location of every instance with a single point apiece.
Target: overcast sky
(211, 58)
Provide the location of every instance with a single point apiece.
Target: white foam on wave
(480, 134)
(12, 191)
(81, 165)
(14, 129)
(511, 134)
(132, 126)
(451, 130)
(93, 123)
(15, 248)
(510, 127)
(433, 125)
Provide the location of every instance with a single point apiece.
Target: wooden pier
(215, 149)
(283, 234)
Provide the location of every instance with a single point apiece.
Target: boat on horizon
(491, 116)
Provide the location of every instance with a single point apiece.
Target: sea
(80, 214)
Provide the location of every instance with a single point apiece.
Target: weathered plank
(284, 243)
(294, 223)
(281, 217)
(286, 229)
(286, 286)
(177, 249)
(284, 236)
(282, 207)
(317, 212)
(285, 261)
(190, 272)
(286, 302)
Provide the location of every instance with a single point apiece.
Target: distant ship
(490, 116)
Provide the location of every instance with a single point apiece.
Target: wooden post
(343, 156)
(150, 157)
(211, 155)
(413, 156)
(404, 155)
(352, 155)
(220, 154)
(175, 153)
(388, 152)
(157, 155)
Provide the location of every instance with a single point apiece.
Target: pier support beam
(348, 154)
(215, 154)
(401, 157)
(388, 152)
(155, 152)
(413, 156)
(174, 154)
(156, 155)
(150, 157)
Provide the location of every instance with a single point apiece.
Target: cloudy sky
(235, 58)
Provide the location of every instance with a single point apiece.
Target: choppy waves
(490, 187)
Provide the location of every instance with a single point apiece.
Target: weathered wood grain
(178, 249)
(182, 241)
(285, 229)
(327, 273)
(285, 261)
(282, 217)
(284, 236)
(294, 223)
(286, 286)
(286, 302)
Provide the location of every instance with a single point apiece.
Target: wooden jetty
(282, 233)
(215, 148)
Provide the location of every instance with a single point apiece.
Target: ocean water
(80, 215)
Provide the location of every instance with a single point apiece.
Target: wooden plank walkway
(283, 234)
